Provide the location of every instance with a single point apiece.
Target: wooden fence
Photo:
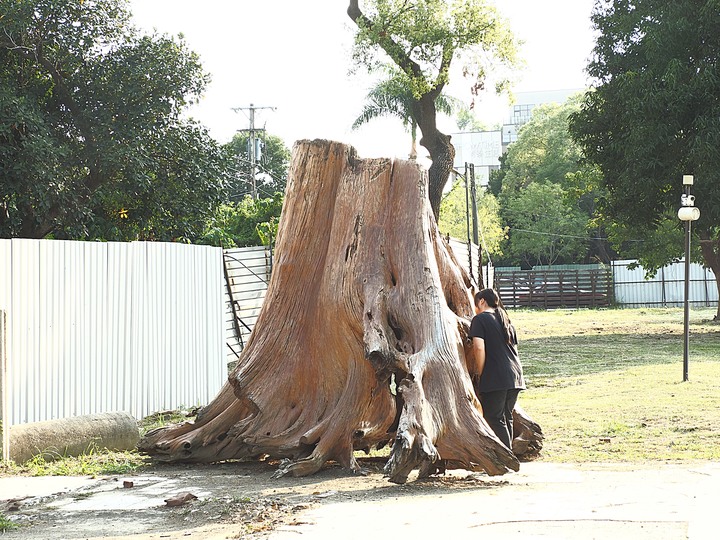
(548, 289)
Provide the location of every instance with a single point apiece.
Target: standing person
(498, 376)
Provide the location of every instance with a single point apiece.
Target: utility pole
(252, 149)
(688, 213)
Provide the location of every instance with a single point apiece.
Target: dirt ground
(240, 500)
(234, 500)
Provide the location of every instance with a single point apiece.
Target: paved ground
(544, 500)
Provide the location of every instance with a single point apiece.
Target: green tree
(271, 167)
(542, 230)
(453, 220)
(425, 39)
(545, 153)
(655, 116)
(392, 96)
(92, 142)
(247, 222)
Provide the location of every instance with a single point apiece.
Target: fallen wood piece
(180, 499)
(527, 437)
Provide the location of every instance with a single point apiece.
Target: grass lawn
(606, 385)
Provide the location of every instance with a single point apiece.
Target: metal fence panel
(666, 288)
(460, 250)
(248, 274)
(4, 405)
(95, 327)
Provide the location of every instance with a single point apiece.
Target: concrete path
(542, 501)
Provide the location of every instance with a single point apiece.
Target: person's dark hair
(492, 298)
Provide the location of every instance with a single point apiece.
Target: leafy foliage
(453, 212)
(6, 524)
(245, 223)
(392, 96)
(655, 116)
(92, 139)
(425, 39)
(544, 230)
(546, 152)
(432, 33)
(548, 193)
(467, 121)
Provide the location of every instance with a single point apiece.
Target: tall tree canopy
(548, 193)
(426, 39)
(92, 142)
(655, 115)
(543, 228)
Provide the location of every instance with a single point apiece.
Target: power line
(568, 235)
(553, 234)
(251, 146)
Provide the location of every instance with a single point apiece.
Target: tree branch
(441, 80)
(389, 45)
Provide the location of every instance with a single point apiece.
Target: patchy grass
(637, 414)
(606, 385)
(6, 524)
(557, 344)
(164, 418)
(96, 463)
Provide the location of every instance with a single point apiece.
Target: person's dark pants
(497, 410)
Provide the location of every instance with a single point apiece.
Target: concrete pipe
(73, 436)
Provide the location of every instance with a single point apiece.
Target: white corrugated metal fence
(666, 288)
(96, 327)
(471, 261)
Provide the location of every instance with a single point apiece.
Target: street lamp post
(688, 213)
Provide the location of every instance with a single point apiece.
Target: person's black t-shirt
(502, 367)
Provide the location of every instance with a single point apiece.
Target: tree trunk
(711, 253)
(424, 111)
(442, 152)
(527, 435)
(362, 337)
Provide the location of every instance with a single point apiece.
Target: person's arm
(479, 350)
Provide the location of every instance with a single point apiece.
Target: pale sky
(295, 56)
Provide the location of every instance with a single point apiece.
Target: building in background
(521, 111)
(481, 148)
(484, 148)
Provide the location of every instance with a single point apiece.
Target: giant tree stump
(362, 338)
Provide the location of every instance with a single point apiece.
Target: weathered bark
(424, 111)
(442, 152)
(527, 437)
(365, 297)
